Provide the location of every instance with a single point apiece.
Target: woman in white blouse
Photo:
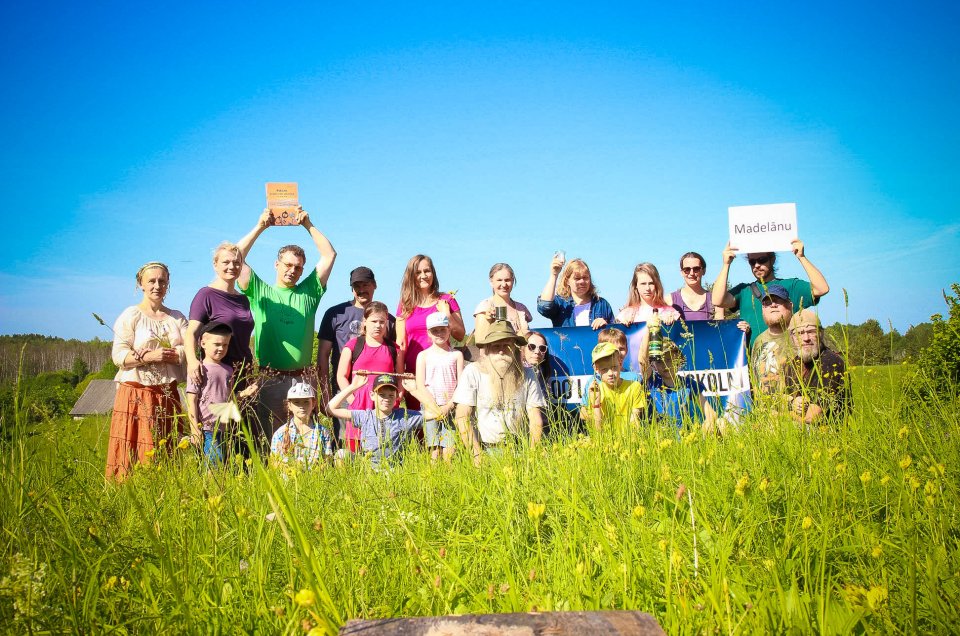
(148, 349)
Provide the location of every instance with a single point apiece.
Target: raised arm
(245, 243)
(335, 407)
(327, 254)
(818, 284)
(550, 288)
(720, 296)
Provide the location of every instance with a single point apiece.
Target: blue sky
(474, 133)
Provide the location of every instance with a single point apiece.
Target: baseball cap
(437, 319)
(215, 327)
(603, 350)
(384, 380)
(362, 275)
(779, 291)
(300, 391)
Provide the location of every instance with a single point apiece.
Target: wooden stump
(520, 624)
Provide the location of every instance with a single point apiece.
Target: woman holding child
(571, 299)
(502, 280)
(149, 353)
(419, 297)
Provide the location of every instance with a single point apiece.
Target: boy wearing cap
(215, 387)
(611, 399)
(438, 368)
(301, 440)
(384, 430)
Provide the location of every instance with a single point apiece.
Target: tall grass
(770, 528)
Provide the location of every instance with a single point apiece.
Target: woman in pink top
(502, 281)
(419, 297)
(645, 295)
(377, 355)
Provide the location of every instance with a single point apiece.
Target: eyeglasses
(763, 260)
(769, 300)
(691, 270)
(534, 348)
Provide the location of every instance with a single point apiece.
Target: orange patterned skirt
(142, 416)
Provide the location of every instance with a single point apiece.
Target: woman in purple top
(221, 301)
(692, 300)
(420, 296)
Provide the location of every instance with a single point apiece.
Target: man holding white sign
(770, 228)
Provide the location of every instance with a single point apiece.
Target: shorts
(439, 433)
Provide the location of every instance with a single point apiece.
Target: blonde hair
(574, 266)
(410, 295)
(227, 246)
(633, 296)
(614, 336)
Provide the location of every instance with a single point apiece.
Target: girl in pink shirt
(377, 355)
(645, 295)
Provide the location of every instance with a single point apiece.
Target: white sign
(763, 228)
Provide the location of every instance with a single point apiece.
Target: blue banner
(715, 359)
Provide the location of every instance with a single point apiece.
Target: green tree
(939, 362)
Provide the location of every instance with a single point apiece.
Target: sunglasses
(534, 348)
(763, 260)
(691, 270)
(769, 300)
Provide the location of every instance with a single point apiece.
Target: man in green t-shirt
(748, 297)
(284, 316)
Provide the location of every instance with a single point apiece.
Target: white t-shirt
(495, 421)
(581, 314)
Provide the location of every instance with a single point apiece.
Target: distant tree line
(44, 354)
(867, 344)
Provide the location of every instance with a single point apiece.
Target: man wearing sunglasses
(748, 297)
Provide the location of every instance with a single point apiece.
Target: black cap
(362, 275)
(215, 327)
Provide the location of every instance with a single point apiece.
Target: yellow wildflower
(639, 511)
(535, 510)
(807, 523)
(905, 462)
(885, 480)
(877, 551)
(304, 598)
(865, 477)
(742, 484)
(903, 432)
(184, 443)
(666, 443)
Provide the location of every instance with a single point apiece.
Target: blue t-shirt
(383, 438)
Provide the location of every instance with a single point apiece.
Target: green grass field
(769, 529)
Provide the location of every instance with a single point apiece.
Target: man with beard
(339, 324)
(748, 297)
(773, 348)
(497, 396)
(816, 378)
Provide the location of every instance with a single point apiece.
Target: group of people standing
(371, 361)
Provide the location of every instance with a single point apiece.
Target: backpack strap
(361, 343)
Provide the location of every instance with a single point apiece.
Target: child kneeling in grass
(611, 400)
(384, 430)
(302, 439)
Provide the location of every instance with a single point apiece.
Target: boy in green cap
(611, 399)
